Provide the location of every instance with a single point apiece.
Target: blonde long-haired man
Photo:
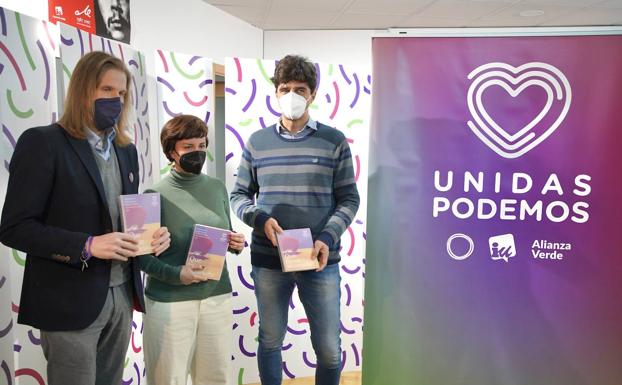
(81, 281)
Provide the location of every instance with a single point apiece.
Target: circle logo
(464, 256)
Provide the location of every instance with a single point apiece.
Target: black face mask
(193, 161)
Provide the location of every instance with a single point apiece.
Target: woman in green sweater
(188, 319)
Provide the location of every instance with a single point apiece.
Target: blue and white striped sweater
(303, 182)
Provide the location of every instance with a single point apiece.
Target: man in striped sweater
(301, 173)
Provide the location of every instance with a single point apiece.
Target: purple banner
(494, 211)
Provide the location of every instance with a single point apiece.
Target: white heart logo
(515, 80)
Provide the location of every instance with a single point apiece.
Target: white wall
(34, 8)
(352, 47)
(192, 27)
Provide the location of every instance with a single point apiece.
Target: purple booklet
(140, 216)
(208, 249)
(295, 250)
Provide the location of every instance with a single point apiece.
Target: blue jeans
(320, 294)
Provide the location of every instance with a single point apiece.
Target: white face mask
(292, 105)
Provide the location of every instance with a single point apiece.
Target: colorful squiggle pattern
(28, 99)
(185, 85)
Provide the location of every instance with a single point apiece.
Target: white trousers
(188, 337)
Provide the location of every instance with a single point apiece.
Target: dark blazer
(55, 200)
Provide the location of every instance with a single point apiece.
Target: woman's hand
(161, 241)
(191, 273)
(236, 241)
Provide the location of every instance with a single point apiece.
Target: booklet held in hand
(140, 216)
(208, 249)
(295, 250)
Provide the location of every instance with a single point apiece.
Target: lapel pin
(131, 177)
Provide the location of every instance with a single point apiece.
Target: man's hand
(271, 228)
(190, 273)
(161, 241)
(320, 252)
(236, 241)
(117, 246)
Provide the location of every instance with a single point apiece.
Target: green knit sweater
(186, 199)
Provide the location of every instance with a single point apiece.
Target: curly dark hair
(295, 68)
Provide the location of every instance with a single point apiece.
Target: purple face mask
(107, 112)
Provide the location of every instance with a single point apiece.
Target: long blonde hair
(87, 75)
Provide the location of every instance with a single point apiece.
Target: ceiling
(383, 14)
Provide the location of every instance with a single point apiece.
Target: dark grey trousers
(95, 355)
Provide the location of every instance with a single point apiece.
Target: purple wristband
(89, 242)
(86, 252)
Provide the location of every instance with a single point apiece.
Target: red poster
(78, 13)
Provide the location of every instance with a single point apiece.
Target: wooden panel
(219, 89)
(219, 69)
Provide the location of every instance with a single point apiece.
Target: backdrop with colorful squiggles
(186, 86)
(343, 101)
(28, 88)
